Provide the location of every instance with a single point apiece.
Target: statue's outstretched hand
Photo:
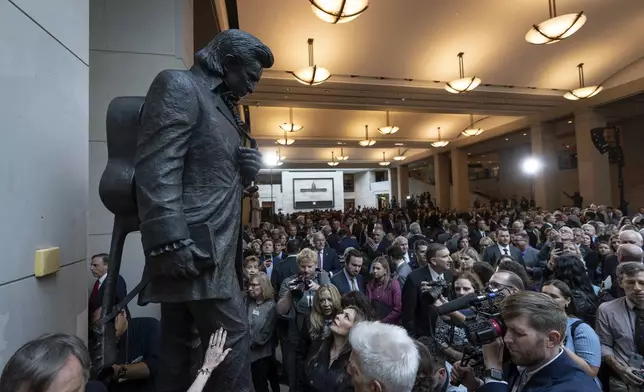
(178, 264)
(250, 161)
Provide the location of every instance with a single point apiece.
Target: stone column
(594, 169)
(543, 138)
(441, 175)
(403, 183)
(460, 180)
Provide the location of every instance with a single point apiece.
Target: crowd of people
(351, 301)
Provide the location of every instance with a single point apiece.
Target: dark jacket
(340, 281)
(319, 377)
(140, 343)
(419, 317)
(562, 375)
(492, 254)
(188, 182)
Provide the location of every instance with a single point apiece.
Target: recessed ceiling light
(478, 161)
(288, 89)
(489, 161)
(567, 146)
(403, 99)
(469, 153)
(398, 144)
(506, 139)
(569, 121)
(340, 143)
(483, 156)
(525, 134)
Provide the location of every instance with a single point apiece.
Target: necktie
(321, 261)
(639, 330)
(483, 234)
(506, 251)
(354, 286)
(95, 289)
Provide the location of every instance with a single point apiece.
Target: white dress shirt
(503, 248)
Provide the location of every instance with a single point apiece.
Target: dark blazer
(282, 270)
(320, 375)
(562, 375)
(412, 241)
(492, 254)
(347, 242)
(475, 238)
(417, 318)
(188, 183)
(96, 301)
(340, 281)
(330, 260)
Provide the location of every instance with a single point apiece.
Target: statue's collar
(212, 81)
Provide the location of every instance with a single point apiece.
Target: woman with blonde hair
(465, 258)
(261, 320)
(384, 293)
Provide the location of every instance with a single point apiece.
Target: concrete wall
(131, 42)
(43, 167)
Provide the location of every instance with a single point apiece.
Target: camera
(434, 290)
(485, 325)
(300, 284)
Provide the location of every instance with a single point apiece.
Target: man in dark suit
(417, 318)
(478, 233)
(327, 257)
(286, 267)
(349, 278)
(533, 345)
(502, 248)
(98, 267)
(346, 241)
(193, 160)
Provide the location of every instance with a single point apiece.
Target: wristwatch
(494, 374)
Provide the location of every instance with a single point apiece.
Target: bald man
(626, 237)
(629, 252)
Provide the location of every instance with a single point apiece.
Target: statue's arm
(168, 118)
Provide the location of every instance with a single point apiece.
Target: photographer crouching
(295, 304)
(533, 329)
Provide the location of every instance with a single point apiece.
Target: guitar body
(116, 190)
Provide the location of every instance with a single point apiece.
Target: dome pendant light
(286, 141)
(338, 11)
(389, 129)
(384, 161)
(464, 83)
(333, 162)
(342, 157)
(399, 157)
(312, 75)
(557, 28)
(582, 92)
(439, 143)
(366, 142)
(291, 126)
(472, 131)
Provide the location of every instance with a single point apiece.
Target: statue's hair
(245, 47)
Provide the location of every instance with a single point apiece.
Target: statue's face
(241, 79)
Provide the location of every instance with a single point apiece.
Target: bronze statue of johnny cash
(192, 161)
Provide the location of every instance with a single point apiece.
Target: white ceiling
(398, 54)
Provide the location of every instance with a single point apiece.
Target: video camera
(434, 290)
(486, 325)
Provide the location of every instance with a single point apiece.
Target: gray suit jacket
(188, 183)
(531, 257)
(401, 273)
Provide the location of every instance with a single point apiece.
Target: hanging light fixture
(338, 11)
(342, 157)
(582, 92)
(291, 126)
(384, 161)
(285, 141)
(389, 129)
(472, 131)
(366, 142)
(399, 157)
(556, 28)
(312, 75)
(333, 162)
(464, 83)
(439, 143)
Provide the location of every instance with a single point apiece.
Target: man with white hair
(404, 245)
(383, 358)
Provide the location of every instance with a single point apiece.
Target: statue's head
(238, 58)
